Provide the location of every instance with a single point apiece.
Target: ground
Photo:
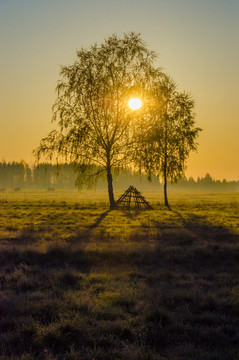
(81, 282)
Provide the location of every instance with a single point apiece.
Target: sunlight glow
(135, 104)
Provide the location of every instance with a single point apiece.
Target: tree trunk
(165, 190)
(165, 172)
(110, 188)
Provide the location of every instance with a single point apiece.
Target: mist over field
(52, 177)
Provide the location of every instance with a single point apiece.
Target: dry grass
(80, 282)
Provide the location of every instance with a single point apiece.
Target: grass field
(80, 282)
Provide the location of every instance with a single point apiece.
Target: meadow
(80, 282)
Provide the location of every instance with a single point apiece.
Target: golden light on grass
(135, 103)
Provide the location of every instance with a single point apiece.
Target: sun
(135, 103)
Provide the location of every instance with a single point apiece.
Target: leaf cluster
(95, 129)
(91, 109)
(165, 142)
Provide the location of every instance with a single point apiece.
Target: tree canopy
(91, 109)
(98, 132)
(170, 135)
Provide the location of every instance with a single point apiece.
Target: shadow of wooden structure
(132, 199)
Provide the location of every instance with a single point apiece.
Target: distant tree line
(19, 175)
(44, 176)
(207, 183)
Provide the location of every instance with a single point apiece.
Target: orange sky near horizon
(196, 42)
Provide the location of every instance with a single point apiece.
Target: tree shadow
(56, 257)
(70, 256)
(205, 230)
(179, 286)
(98, 220)
(190, 277)
(83, 237)
(23, 238)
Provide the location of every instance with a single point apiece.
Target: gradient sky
(197, 42)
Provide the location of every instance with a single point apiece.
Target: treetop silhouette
(91, 109)
(99, 133)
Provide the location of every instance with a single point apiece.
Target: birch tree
(170, 134)
(91, 110)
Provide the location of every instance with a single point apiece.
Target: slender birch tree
(170, 134)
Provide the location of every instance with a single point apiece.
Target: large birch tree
(91, 110)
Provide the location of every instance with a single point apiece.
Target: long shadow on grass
(190, 275)
(22, 238)
(73, 255)
(85, 234)
(198, 244)
(205, 230)
(178, 299)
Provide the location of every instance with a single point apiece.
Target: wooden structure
(132, 199)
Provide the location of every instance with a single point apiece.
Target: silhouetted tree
(170, 133)
(91, 108)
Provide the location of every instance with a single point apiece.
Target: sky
(197, 42)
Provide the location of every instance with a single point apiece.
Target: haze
(197, 44)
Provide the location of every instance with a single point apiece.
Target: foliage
(91, 108)
(170, 134)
